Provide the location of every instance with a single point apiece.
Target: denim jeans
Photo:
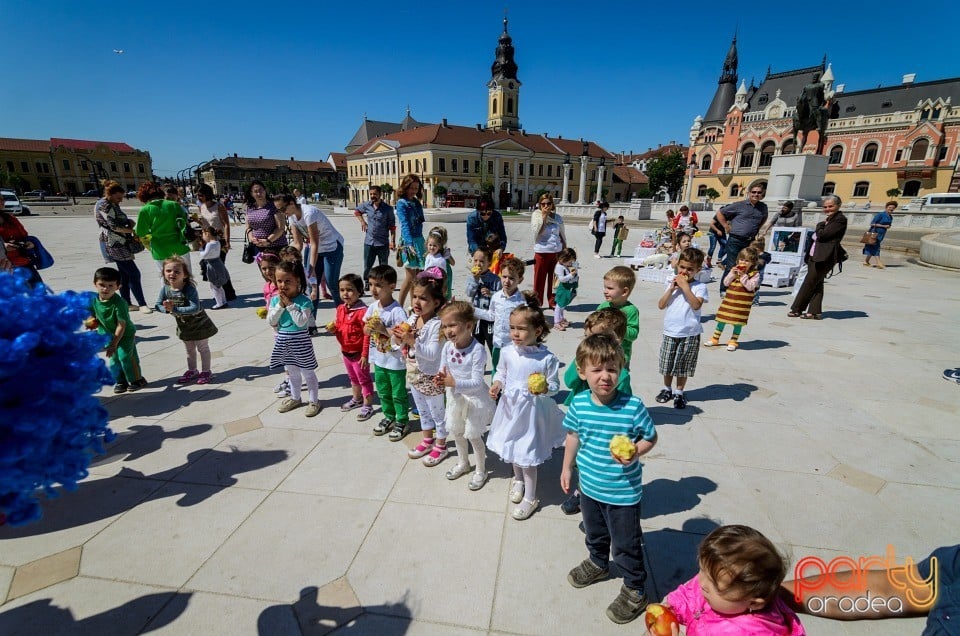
(130, 282)
(371, 253)
(328, 265)
(618, 527)
(733, 247)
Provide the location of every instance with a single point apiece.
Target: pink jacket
(701, 620)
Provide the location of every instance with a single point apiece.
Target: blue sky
(281, 79)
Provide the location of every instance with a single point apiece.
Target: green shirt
(163, 221)
(633, 326)
(109, 313)
(572, 379)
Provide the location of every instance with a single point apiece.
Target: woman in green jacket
(163, 221)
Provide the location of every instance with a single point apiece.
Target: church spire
(503, 94)
(504, 66)
(725, 96)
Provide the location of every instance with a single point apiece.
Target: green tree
(712, 194)
(644, 192)
(486, 188)
(894, 192)
(667, 169)
(4, 177)
(439, 191)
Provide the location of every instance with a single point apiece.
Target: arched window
(919, 151)
(836, 155)
(911, 189)
(861, 188)
(509, 105)
(494, 105)
(869, 153)
(828, 188)
(735, 190)
(925, 115)
(789, 148)
(766, 153)
(746, 156)
(705, 162)
(701, 191)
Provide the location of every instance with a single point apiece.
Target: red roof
(339, 159)
(84, 144)
(24, 145)
(629, 174)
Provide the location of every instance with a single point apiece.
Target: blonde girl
(438, 255)
(178, 297)
(217, 274)
(527, 425)
(741, 282)
(289, 313)
(469, 404)
(422, 333)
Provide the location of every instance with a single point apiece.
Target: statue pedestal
(797, 178)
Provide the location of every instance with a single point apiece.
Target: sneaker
(205, 377)
(284, 386)
(587, 573)
(288, 405)
(120, 387)
(136, 385)
(477, 481)
(516, 491)
(354, 403)
(421, 449)
(731, 346)
(679, 401)
(437, 455)
(711, 343)
(188, 377)
(664, 396)
(223, 306)
(628, 605)
(952, 375)
(312, 409)
(366, 412)
(571, 505)
(144, 309)
(526, 509)
(414, 414)
(313, 332)
(383, 427)
(458, 471)
(400, 430)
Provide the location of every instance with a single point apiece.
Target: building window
(24, 166)
(828, 188)
(701, 190)
(476, 167)
(746, 156)
(735, 190)
(100, 166)
(789, 148)
(140, 168)
(38, 166)
(766, 154)
(66, 164)
(919, 150)
(46, 168)
(113, 166)
(942, 153)
(899, 155)
(869, 153)
(83, 165)
(509, 105)
(466, 166)
(506, 168)
(936, 113)
(550, 170)
(861, 188)
(836, 155)
(494, 105)
(705, 162)
(540, 170)
(453, 165)
(490, 167)
(911, 188)
(10, 167)
(520, 168)
(417, 164)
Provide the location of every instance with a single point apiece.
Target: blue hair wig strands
(49, 370)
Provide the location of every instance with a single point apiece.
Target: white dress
(469, 405)
(526, 427)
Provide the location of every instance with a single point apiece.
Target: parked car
(935, 201)
(91, 193)
(36, 193)
(132, 194)
(12, 204)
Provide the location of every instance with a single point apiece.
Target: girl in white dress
(469, 405)
(438, 255)
(527, 425)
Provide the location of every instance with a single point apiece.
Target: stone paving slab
(213, 513)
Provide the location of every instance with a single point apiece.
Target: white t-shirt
(388, 355)
(679, 318)
(329, 236)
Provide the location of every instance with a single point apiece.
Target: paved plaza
(212, 513)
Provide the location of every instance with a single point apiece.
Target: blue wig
(50, 422)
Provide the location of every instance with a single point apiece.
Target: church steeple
(726, 87)
(503, 95)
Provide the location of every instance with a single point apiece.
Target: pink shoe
(188, 377)
(205, 377)
(424, 447)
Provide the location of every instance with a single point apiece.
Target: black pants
(810, 295)
(130, 282)
(733, 247)
(596, 246)
(618, 527)
(373, 253)
(484, 334)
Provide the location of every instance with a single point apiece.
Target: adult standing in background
(823, 255)
(599, 226)
(320, 244)
(379, 225)
(880, 224)
(686, 221)
(266, 227)
(163, 221)
(741, 221)
(302, 200)
(483, 221)
(412, 249)
(549, 240)
(786, 217)
(213, 214)
(13, 237)
(116, 236)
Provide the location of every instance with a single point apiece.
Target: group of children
(439, 352)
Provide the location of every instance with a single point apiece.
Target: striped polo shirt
(601, 477)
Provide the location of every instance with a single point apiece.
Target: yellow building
(461, 161)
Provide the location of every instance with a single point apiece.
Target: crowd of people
(428, 347)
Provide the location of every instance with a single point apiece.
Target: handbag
(869, 238)
(134, 244)
(39, 257)
(249, 251)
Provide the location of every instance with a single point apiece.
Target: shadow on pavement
(668, 496)
(737, 392)
(671, 555)
(315, 619)
(149, 439)
(104, 498)
(845, 314)
(148, 403)
(667, 414)
(43, 617)
(757, 345)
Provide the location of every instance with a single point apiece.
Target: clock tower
(503, 95)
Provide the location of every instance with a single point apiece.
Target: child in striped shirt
(610, 486)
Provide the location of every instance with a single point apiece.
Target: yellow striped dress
(735, 307)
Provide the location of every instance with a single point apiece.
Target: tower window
(509, 105)
(494, 105)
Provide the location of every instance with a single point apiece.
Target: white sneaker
(144, 309)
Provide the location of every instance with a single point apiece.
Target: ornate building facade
(461, 161)
(904, 137)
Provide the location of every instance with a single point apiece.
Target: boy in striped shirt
(610, 488)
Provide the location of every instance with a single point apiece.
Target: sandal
(352, 404)
(421, 449)
(366, 412)
(525, 509)
(809, 316)
(400, 430)
(793, 314)
(384, 426)
(437, 455)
